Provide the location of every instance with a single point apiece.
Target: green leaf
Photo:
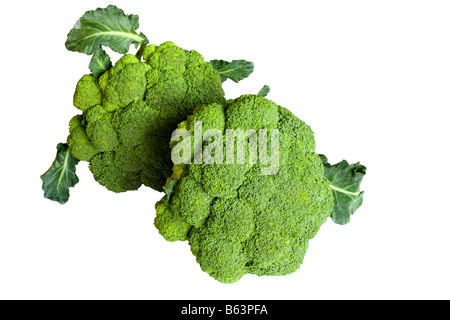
(100, 62)
(60, 176)
(170, 189)
(264, 91)
(235, 70)
(109, 27)
(345, 180)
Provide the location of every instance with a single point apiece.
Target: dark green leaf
(61, 175)
(235, 70)
(100, 62)
(345, 180)
(109, 27)
(264, 91)
(145, 40)
(170, 189)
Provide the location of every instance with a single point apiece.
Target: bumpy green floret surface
(238, 221)
(129, 114)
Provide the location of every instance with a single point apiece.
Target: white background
(371, 78)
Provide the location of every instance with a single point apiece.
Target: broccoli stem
(140, 51)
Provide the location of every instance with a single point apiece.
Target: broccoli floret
(236, 219)
(87, 94)
(130, 112)
(100, 130)
(80, 145)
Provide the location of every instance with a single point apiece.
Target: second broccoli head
(130, 112)
(237, 219)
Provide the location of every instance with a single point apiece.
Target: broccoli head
(237, 219)
(130, 111)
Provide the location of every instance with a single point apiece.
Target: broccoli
(243, 209)
(236, 219)
(129, 110)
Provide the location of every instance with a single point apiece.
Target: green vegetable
(254, 216)
(235, 70)
(238, 221)
(129, 110)
(345, 181)
(60, 176)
